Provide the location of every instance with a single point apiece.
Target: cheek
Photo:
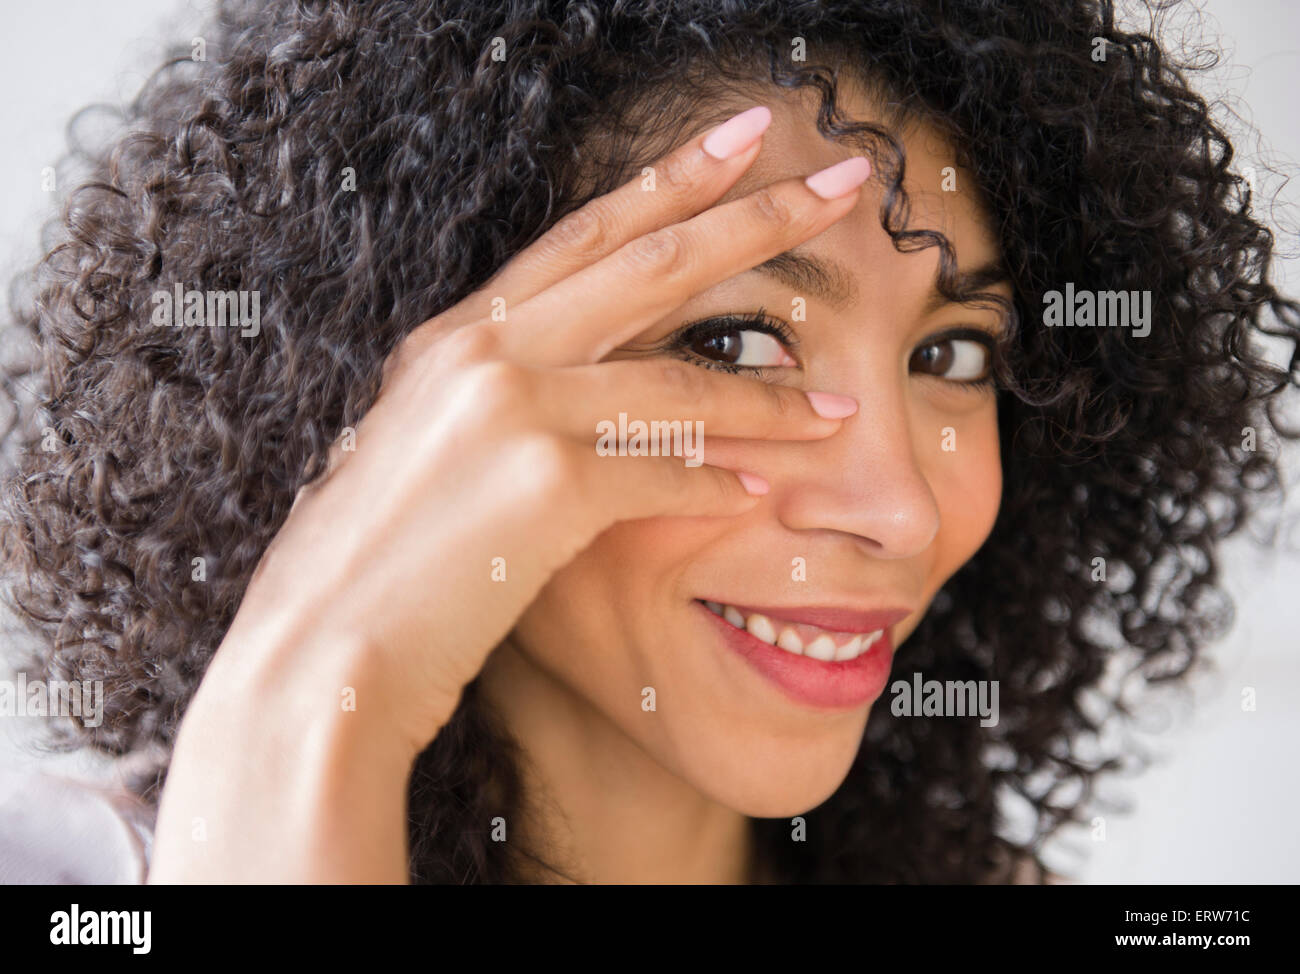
(967, 486)
(586, 623)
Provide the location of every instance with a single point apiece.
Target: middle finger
(588, 314)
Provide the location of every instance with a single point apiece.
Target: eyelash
(680, 342)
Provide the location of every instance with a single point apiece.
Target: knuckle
(497, 385)
(781, 402)
(469, 343)
(771, 207)
(581, 232)
(658, 252)
(719, 483)
(679, 379)
(550, 463)
(676, 173)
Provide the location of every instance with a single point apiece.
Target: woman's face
(876, 517)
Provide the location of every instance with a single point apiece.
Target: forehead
(942, 195)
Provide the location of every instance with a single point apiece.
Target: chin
(780, 781)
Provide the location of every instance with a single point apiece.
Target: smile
(827, 658)
(799, 638)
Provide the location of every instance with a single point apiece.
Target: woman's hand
(384, 587)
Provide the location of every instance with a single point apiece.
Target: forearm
(273, 779)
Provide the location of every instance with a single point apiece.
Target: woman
(386, 574)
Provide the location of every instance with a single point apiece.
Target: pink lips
(844, 685)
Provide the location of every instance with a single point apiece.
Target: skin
(882, 516)
(284, 784)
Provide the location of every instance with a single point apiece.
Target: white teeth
(760, 628)
(822, 648)
(849, 649)
(790, 641)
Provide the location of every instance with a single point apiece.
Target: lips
(815, 680)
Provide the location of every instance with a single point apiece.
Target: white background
(1219, 807)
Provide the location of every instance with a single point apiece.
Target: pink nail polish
(737, 133)
(753, 483)
(830, 406)
(841, 178)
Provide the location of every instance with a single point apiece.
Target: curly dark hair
(162, 445)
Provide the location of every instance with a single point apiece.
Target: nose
(865, 482)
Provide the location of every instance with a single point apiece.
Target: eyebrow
(833, 283)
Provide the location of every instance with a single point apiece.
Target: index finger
(690, 178)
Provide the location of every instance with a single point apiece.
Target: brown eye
(933, 359)
(720, 348)
(957, 359)
(742, 347)
(738, 342)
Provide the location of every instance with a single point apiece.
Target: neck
(599, 808)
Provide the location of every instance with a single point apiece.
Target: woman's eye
(955, 359)
(748, 348)
(743, 343)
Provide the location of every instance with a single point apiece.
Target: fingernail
(841, 178)
(737, 133)
(830, 406)
(753, 483)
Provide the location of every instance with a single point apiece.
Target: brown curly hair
(175, 443)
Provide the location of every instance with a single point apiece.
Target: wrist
(285, 770)
(330, 669)
(333, 688)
